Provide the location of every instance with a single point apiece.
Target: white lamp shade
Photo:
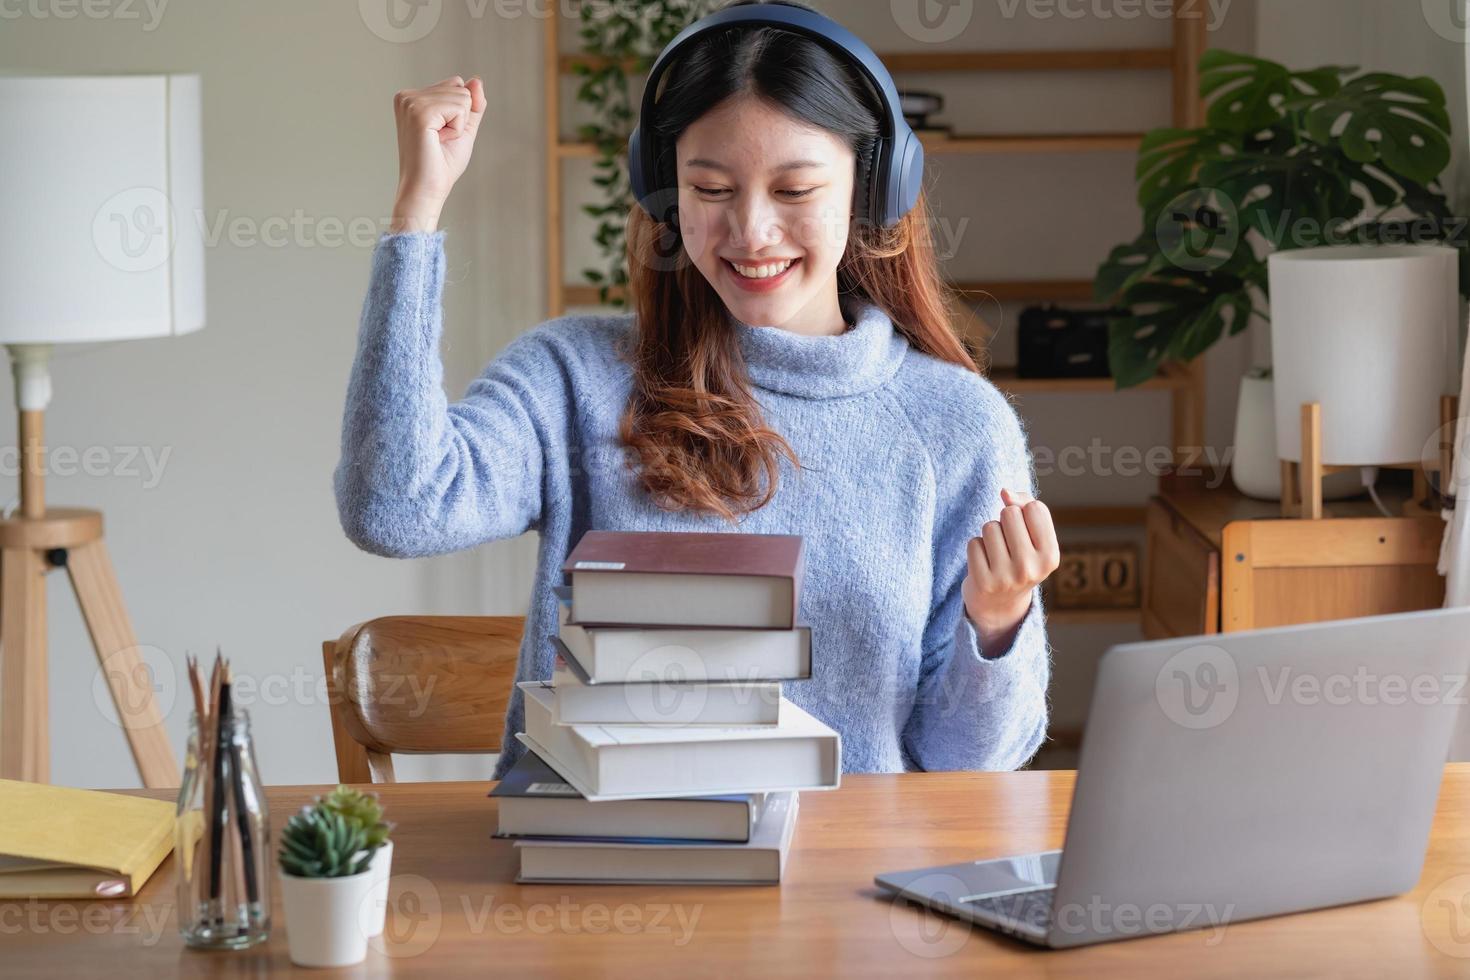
(1369, 332)
(102, 185)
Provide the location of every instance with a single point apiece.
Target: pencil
(216, 760)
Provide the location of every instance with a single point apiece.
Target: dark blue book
(535, 801)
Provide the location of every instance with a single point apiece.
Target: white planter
(1255, 469)
(326, 918)
(381, 869)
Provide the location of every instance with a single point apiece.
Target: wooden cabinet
(1216, 561)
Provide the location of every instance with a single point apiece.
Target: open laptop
(1234, 776)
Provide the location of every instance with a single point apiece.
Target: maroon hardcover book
(768, 556)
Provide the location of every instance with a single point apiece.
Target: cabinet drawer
(1181, 577)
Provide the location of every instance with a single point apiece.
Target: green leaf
(1248, 93)
(1169, 159)
(1379, 117)
(1126, 265)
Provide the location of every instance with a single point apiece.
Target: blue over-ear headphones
(898, 157)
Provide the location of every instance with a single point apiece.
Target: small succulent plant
(319, 842)
(362, 809)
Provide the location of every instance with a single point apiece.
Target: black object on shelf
(1062, 343)
(918, 106)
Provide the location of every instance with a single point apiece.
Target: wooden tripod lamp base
(31, 545)
(1301, 483)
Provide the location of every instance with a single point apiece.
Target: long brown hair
(692, 421)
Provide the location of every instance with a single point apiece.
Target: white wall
(238, 543)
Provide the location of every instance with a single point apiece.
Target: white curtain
(1454, 552)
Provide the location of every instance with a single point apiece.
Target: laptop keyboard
(1031, 907)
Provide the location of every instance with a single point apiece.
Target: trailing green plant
(318, 842)
(622, 38)
(363, 809)
(1285, 159)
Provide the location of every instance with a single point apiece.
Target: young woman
(787, 367)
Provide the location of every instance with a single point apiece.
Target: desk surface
(455, 908)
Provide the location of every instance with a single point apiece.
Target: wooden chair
(418, 684)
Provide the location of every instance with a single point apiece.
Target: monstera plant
(1285, 159)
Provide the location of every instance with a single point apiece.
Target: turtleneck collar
(851, 363)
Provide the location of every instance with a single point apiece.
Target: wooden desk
(457, 912)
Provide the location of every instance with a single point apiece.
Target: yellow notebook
(57, 842)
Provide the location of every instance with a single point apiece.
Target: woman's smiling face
(759, 189)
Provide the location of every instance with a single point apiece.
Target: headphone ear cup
(911, 173)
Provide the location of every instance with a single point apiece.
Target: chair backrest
(418, 684)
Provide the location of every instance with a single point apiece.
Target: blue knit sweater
(903, 459)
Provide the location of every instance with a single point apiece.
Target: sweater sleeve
(418, 476)
(973, 711)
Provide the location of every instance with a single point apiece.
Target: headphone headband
(898, 158)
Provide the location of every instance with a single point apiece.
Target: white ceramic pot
(1255, 469)
(381, 869)
(327, 918)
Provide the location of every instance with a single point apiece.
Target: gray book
(759, 861)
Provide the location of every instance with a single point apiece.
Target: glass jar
(222, 864)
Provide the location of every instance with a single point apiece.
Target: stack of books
(662, 749)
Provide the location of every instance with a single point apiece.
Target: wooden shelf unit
(1184, 383)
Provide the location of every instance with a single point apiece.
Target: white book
(659, 703)
(621, 654)
(608, 762)
(761, 860)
